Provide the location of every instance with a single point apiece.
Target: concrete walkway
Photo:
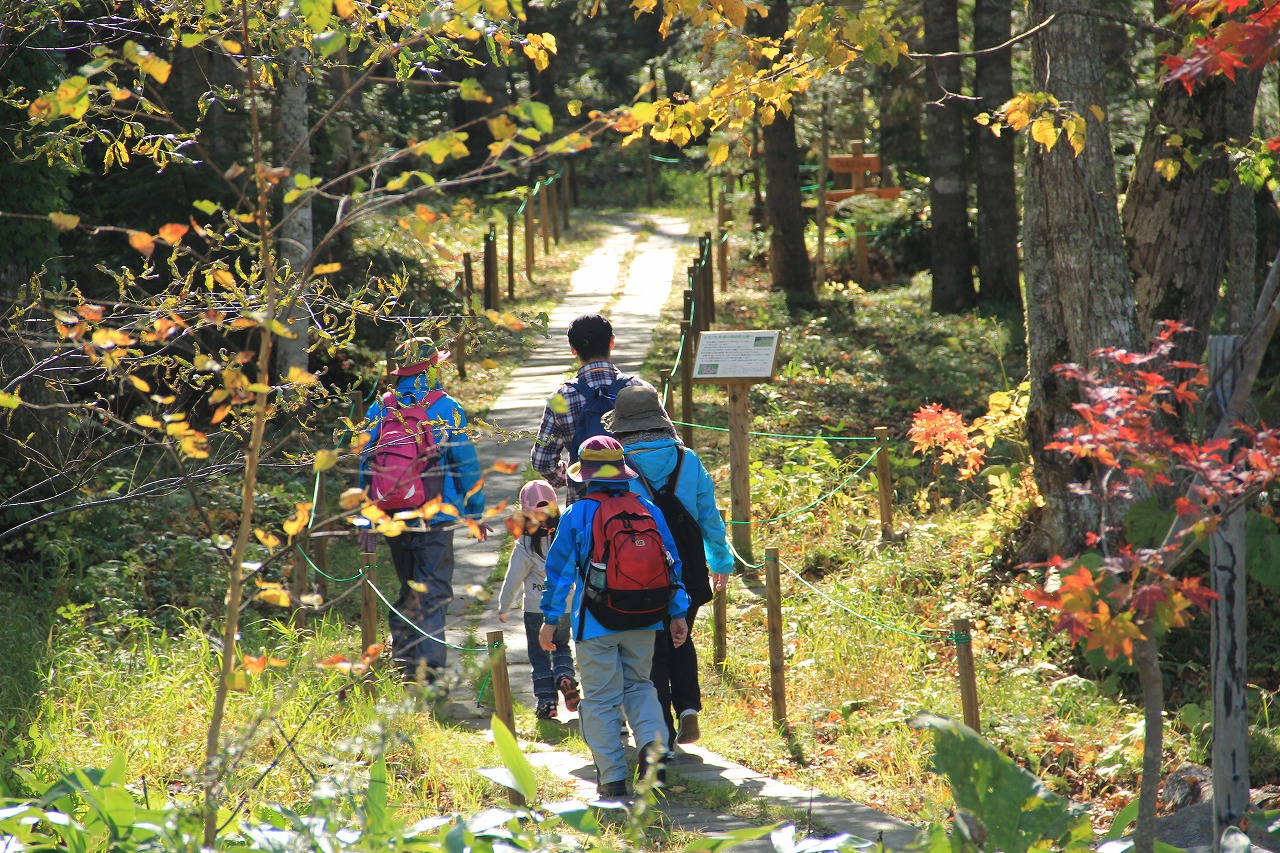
(629, 277)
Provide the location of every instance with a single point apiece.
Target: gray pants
(615, 683)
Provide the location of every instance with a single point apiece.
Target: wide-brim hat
(636, 409)
(600, 458)
(417, 355)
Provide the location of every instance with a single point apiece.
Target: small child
(534, 527)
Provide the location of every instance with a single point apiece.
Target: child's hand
(679, 631)
(719, 582)
(502, 617)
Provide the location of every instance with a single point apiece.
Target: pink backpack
(405, 470)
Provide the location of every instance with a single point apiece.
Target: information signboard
(736, 356)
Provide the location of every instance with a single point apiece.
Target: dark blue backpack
(599, 402)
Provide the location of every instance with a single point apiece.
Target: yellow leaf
(147, 61)
(325, 459)
(1045, 132)
(358, 441)
(575, 107)
(372, 512)
(338, 662)
(344, 8)
(504, 467)
(224, 278)
(10, 400)
(1168, 167)
(64, 221)
(326, 269)
(238, 681)
(276, 597)
(471, 90)
(1075, 128)
(268, 539)
(143, 242)
(717, 152)
(417, 586)
(489, 364)
(1097, 112)
(147, 421)
(351, 498)
(298, 376)
(558, 405)
(140, 384)
(644, 112)
(255, 665)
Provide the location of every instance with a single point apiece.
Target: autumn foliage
(1111, 597)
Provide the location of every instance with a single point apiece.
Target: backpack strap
(582, 570)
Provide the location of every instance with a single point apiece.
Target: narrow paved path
(631, 275)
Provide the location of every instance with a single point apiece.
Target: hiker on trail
(534, 527)
(573, 413)
(605, 544)
(418, 451)
(674, 478)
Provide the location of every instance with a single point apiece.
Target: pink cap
(537, 494)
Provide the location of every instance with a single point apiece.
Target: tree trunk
(1079, 295)
(789, 268)
(898, 97)
(993, 160)
(297, 240)
(950, 249)
(1177, 229)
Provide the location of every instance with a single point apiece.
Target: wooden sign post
(857, 166)
(738, 360)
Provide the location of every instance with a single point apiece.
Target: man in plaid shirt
(591, 339)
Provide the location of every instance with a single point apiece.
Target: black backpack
(687, 534)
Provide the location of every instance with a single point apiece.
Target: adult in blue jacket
(614, 665)
(649, 440)
(423, 553)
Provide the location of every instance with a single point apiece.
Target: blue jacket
(458, 458)
(571, 550)
(655, 460)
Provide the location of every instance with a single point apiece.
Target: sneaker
(547, 710)
(569, 688)
(612, 790)
(642, 764)
(689, 731)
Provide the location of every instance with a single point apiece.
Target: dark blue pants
(548, 667)
(426, 558)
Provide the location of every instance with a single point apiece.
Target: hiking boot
(547, 710)
(569, 689)
(612, 790)
(689, 731)
(659, 763)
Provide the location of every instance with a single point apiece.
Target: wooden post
(648, 169)
(777, 665)
(546, 225)
(553, 206)
(1227, 637)
(563, 195)
(711, 193)
(722, 244)
(720, 623)
(968, 679)
(502, 705)
(824, 151)
(740, 472)
(298, 588)
(686, 381)
(664, 376)
(368, 600)
(573, 185)
(707, 272)
(862, 269)
(690, 307)
(492, 294)
(459, 351)
(321, 543)
(529, 238)
(886, 487)
(511, 255)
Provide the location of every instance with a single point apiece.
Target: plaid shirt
(560, 421)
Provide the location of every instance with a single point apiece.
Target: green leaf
(540, 114)
(727, 840)
(212, 7)
(328, 43)
(1018, 810)
(375, 803)
(1122, 821)
(9, 400)
(576, 814)
(208, 208)
(316, 13)
(293, 195)
(193, 39)
(521, 770)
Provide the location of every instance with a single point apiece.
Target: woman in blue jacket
(649, 440)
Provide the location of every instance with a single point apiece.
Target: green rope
(780, 434)
(520, 209)
(410, 623)
(321, 571)
(658, 159)
(742, 560)
(484, 682)
(810, 506)
(944, 638)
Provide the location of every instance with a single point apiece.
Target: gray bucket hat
(636, 409)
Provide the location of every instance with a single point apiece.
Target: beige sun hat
(636, 409)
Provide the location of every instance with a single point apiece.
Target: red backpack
(405, 470)
(629, 583)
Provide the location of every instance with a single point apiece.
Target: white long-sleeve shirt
(527, 574)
